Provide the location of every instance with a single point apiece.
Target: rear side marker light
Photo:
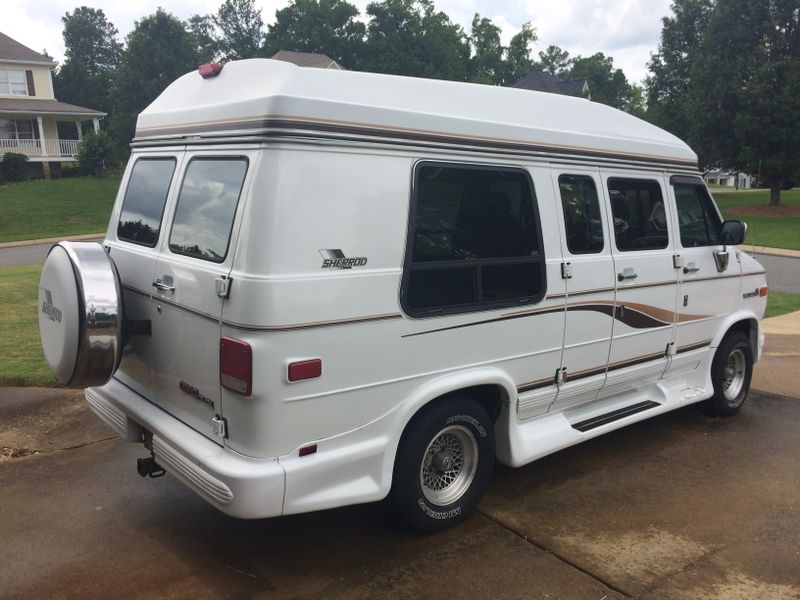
(236, 365)
(763, 291)
(306, 450)
(209, 70)
(305, 369)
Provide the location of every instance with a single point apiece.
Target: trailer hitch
(148, 467)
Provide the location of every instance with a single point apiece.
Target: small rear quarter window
(145, 196)
(206, 207)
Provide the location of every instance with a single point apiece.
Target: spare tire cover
(80, 314)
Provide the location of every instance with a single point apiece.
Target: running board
(614, 415)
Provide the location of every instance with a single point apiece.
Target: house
(29, 112)
(307, 59)
(734, 179)
(542, 81)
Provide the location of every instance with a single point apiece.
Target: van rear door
(195, 258)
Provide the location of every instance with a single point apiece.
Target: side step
(614, 415)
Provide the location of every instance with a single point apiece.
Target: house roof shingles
(45, 107)
(12, 50)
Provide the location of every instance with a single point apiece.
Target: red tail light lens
(209, 70)
(236, 365)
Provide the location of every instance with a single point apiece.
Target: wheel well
(490, 397)
(749, 327)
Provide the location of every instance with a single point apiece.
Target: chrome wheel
(449, 465)
(733, 374)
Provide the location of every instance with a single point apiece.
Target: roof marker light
(209, 70)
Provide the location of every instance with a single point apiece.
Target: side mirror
(733, 232)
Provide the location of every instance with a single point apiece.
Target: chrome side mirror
(733, 233)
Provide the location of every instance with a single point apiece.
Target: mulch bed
(785, 210)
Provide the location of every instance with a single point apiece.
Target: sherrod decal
(188, 388)
(335, 259)
(48, 308)
(752, 294)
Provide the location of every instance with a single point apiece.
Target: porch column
(96, 123)
(80, 130)
(42, 150)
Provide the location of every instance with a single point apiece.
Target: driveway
(681, 506)
(28, 254)
(783, 272)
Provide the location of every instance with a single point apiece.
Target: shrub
(96, 153)
(13, 167)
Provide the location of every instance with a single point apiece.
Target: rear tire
(443, 465)
(731, 372)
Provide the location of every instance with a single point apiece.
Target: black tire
(731, 372)
(460, 428)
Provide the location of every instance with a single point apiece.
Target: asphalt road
(30, 254)
(682, 506)
(783, 272)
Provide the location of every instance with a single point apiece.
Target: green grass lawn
(60, 207)
(21, 358)
(775, 232)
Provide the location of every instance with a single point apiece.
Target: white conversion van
(322, 288)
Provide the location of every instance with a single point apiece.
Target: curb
(53, 240)
(774, 251)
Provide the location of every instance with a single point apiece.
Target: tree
(668, 83)
(206, 43)
(518, 61)
(240, 25)
(96, 153)
(486, 63)
(92, 55)
(410, 37)
(328, 27)
(607, 85)
(159, 51)
(554, 60)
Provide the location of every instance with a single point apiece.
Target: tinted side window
(206, 207)
(143, 205)
(582, 221)
(700, 224)
(474, 240)
(640, 217)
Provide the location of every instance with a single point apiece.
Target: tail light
(236, 365)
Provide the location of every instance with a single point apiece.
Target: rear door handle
(163, 286)
(690, 268)
(626, 275)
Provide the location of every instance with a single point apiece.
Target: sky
(627, 30)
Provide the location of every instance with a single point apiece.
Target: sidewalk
(776, 373)
(53, 240)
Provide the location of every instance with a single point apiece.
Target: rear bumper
(237, 485)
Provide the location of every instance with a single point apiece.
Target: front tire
(731, 372)
(443, 465)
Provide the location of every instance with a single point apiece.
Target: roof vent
(209, 70)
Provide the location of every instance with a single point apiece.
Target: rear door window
(206, 207)
(145, 197)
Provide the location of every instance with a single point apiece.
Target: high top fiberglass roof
(264, 96)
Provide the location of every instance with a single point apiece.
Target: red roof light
(209, 70)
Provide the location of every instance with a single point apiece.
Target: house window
(13, 82)
(17, 129)
(474, 241)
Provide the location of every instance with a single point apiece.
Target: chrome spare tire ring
(449, 465)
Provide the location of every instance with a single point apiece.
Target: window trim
(409, 266)
(599, 209)
(664, 200)
(229, 157)
(174, 160)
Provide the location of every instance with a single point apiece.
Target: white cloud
(627, 30)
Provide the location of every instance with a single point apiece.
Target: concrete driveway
(682, 506)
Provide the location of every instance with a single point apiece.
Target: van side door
(707, 294)
(588, 271)
(646, 280)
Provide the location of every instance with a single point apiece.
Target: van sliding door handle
(626, 274)
(163, 287)
(690, 269)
